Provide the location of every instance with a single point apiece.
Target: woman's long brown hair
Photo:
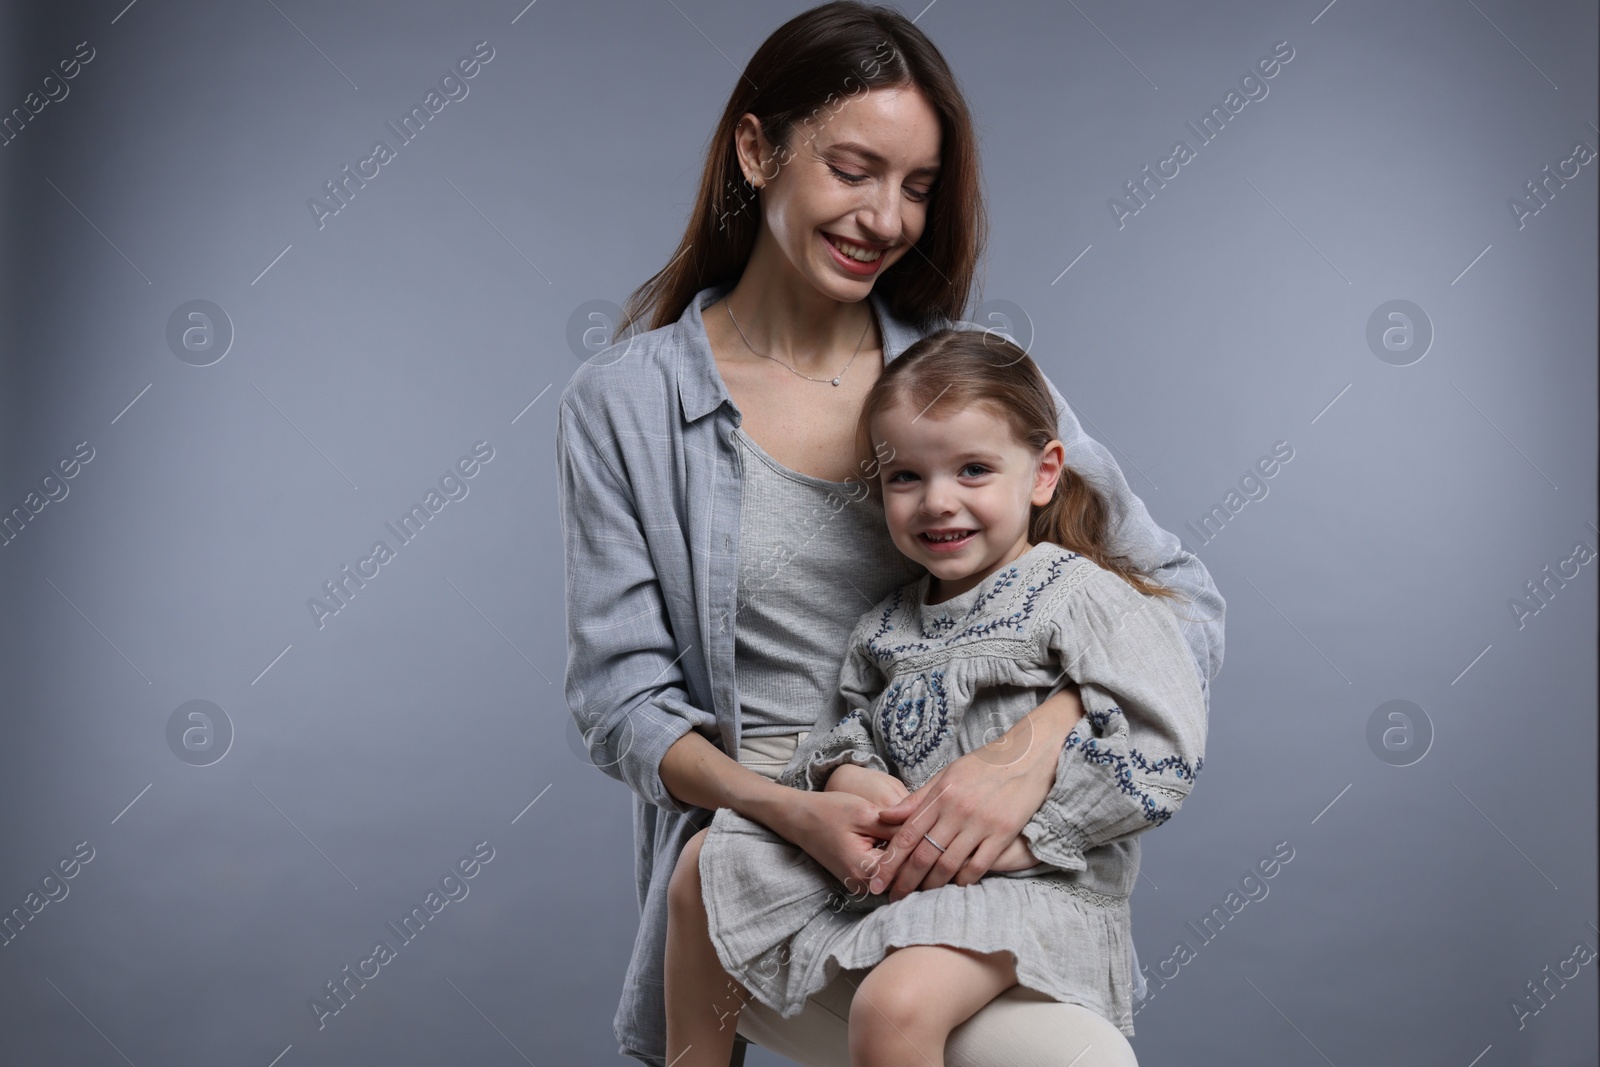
(799, 76)
(952, 370)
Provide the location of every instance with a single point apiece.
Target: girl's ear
(1052, 461)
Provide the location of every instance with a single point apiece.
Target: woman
(702, 464)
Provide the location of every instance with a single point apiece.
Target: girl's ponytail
(1077, 518)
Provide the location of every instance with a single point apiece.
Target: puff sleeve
(1132, 759)
(842, 733)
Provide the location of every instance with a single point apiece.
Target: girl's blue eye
(981, 468)
(896, 475)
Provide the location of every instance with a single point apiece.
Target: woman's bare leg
(702, 1001)
(904, 1010)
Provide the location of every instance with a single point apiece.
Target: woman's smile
(853, 256)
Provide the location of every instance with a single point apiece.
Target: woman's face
(848, 196)
(958, 491)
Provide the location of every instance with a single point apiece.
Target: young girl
(1020, 599)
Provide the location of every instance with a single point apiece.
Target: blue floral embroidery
(996, 583)
(914, 717)
(1101, 720)
(1094, 751)
(1180, 767)
(937, 633)
(885, 625)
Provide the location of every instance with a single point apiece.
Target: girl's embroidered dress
(923, 684)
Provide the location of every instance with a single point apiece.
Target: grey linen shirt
(650, 496)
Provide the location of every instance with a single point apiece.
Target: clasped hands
(975, 806)
(886, 792)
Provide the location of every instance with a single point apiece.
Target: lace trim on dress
(1099, 900)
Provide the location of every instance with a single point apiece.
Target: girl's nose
(938, 499)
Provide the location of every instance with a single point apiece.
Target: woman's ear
(747, 146)
(756, 156)
(1052, 461)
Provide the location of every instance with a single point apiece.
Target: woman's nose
(881, 219)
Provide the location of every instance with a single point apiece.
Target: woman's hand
(836, 828)
(975, 805)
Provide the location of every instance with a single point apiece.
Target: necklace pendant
(836, 381)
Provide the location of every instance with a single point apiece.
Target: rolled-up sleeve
(1156, 551)
(624, 687)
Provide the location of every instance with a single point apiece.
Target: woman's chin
(841, 287)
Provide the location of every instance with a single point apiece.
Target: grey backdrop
(354, 362)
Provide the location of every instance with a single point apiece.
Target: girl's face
(957, 492)
(848, 196)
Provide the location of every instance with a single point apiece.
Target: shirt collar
(700, 386)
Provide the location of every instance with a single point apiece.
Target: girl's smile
(946, 541)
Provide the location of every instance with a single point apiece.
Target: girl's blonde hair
(954, 369)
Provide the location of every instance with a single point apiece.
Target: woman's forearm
(697, 772)
(1039, 735)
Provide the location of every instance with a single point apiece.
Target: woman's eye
(918, 196)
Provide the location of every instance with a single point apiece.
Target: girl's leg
(702, 1001)
(1021, 1027)
(904, 1010)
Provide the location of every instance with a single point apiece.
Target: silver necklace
(807, 377)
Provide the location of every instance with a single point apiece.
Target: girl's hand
(868, 783)
(838, 829)
(975, 805)
(1016, 856)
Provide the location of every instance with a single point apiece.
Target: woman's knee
(683, 891)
